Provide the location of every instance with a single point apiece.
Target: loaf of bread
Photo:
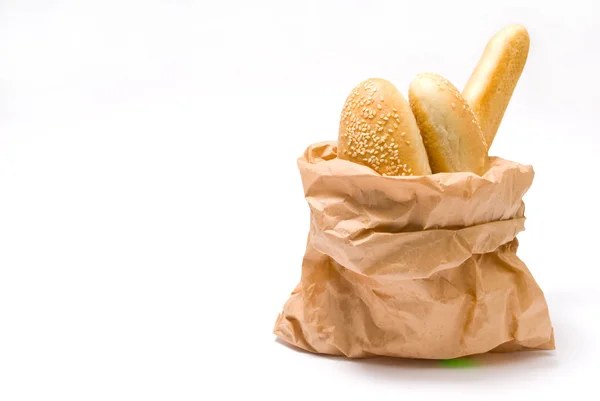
(493, 81)
(451, 134)
(378, 130)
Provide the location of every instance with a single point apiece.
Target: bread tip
(515, 29)
(518, 26)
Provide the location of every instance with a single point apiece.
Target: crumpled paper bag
(416, 267)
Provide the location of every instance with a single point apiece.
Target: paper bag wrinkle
(415, 267)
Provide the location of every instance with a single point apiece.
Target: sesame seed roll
(378, 130)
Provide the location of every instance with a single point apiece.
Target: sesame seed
(403, 134)
(379, 106)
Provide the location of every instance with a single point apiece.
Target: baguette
(493, 81)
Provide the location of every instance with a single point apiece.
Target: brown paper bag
(416, 267)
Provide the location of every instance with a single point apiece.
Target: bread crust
(378, 130)
(451, 134)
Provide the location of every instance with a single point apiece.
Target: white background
(152, 220)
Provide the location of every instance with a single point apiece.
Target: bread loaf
(378, 130)
(451, 134)
(493, 81)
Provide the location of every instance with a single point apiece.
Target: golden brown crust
(451, 134)
(378, 130)
(495, 77)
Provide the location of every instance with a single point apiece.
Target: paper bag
(415, 267)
